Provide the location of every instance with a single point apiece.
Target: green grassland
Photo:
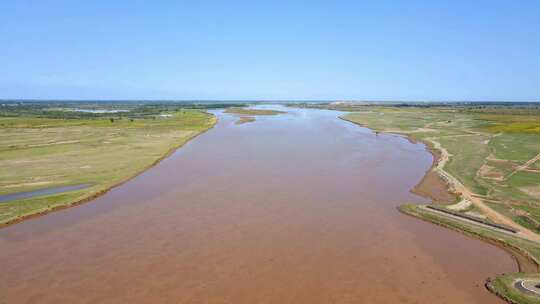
(486, 147)
(40, 150)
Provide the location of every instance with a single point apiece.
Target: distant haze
(276, 50)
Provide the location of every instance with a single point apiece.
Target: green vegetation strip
(504, 287)
(473, 218)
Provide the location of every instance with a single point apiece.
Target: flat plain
(45, 150)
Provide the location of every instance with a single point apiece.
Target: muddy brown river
(296, 208)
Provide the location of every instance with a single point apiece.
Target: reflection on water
(41, 192)
(293, 208)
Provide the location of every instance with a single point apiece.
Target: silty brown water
(295, 208)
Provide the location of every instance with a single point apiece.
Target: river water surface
(295, 208)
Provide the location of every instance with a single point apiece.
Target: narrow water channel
(295, 208)
(41, 192)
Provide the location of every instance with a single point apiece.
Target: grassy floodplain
(488, 147)
(492, 151)
(50, 145)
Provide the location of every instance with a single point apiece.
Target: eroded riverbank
(296, 208)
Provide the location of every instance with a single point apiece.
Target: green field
(486, 147)
(39, 151)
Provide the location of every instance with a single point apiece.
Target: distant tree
(111, 119)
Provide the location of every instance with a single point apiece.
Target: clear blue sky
(386, 50)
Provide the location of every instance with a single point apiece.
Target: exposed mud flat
(432, 185)
(297, 208)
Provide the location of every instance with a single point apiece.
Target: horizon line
(260, 100)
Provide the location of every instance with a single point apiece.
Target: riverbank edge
(106, 188)
(501, 285)
(420, 188)
(496, 285)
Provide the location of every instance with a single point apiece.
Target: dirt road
(459, 188)
(524, 166)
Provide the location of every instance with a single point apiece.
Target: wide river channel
(294, 208)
